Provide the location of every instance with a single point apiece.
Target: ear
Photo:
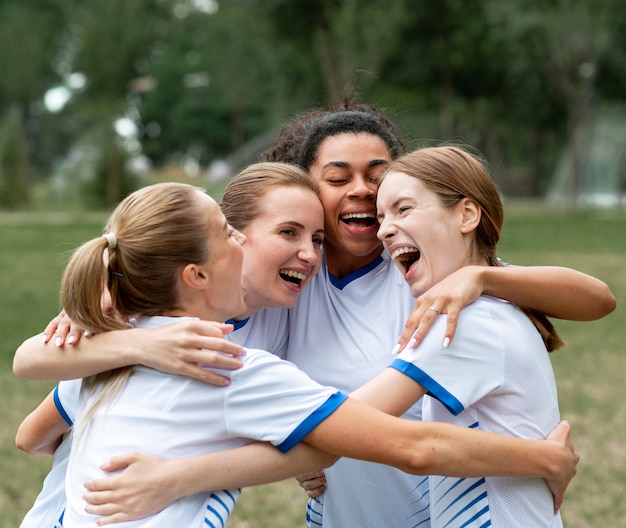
(194, 276)
(471, 214)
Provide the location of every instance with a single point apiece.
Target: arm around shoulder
(558, 292)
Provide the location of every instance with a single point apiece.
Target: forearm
(473, 453)
(252, 465)
(556, 291)
(38, 361)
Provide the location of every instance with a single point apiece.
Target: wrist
(185, 476)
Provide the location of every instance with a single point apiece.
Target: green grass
(590, 370)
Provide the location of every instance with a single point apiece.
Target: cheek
(330, 198)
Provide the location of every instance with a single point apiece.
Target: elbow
(421, 461)
(606, 301)
(23, 366)
(22, 443)
(610, 302)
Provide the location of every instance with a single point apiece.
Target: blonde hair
(453, 173)
(150, 237)
(242, 199)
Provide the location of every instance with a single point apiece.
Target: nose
(309, 253)
(385, 230)
(362, 188)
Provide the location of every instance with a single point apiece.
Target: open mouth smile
(359, 220)
(406, 257)
(294, 277)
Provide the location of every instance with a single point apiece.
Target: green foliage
(13, 162)
(515, 78)
(589, 370)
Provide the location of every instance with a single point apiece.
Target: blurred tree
(29, 35)
(218, 76)
(108, 39)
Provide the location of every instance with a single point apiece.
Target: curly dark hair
(299, 140)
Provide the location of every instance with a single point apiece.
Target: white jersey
(495, 376)
(342, 333)
(266, 329)
(48, 508)
(174, 416)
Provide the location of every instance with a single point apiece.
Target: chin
(417, 290)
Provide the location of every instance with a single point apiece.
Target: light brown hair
(150, 237)
(242, 200)
(454, 173)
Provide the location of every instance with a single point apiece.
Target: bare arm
(178, 348)
(42, 430)
(558, 292)
(357, 431)
(148, 484)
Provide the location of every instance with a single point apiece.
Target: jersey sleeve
(271, 400)
(67, 399)
(471, 367)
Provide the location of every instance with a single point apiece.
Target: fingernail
(446, 342)
(44, 338)
(395, 350)
(58, 341)
(71, 340)
(412, 343)
(86, 333)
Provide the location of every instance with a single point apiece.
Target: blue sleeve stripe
(432, 387)
(59, 406)
(313, 420)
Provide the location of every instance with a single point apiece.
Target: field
(590, 370)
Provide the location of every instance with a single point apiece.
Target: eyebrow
(345, 165)
(298, 225)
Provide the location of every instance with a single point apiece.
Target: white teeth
(294, 274)
(358, 216)
(403, 251)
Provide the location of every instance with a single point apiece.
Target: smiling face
(284, 248)
(347, 169)
(425, 240)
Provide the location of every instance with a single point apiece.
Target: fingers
(314, 484)
(63, 330)
(417, 326)
(51, 328)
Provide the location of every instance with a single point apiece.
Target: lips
(406, 256)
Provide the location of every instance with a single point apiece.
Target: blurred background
(97, 96)
(100, 97)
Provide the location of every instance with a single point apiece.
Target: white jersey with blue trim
(174, 416)
(496, 376)
(341, 334)
(266, 329)
(48, 508)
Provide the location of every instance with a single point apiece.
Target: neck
(341, 263)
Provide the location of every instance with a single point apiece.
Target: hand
(141, 489)
(314, 483)
(63, 329)
(561, 435)
(188, 348)
(448, 296)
